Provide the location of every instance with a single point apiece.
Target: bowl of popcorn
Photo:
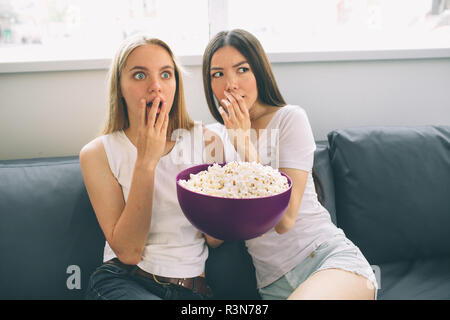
(233, 201)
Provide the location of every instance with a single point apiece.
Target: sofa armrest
(47, 224)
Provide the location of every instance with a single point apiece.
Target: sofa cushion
(46, 225)
(392, 190)
(427, 279)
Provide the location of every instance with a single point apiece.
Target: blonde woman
(151, 250)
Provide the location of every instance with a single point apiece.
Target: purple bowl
(230, 219)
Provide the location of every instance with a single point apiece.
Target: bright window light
(53, 30)
(84, 29)
(329, 25)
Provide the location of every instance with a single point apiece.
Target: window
(329, 25)
(83, 29)
(51, 30)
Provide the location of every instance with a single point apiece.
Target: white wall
(47, 114)
(347, 94)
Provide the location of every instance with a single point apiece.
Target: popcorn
(237, 180)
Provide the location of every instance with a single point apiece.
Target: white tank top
(174, 247)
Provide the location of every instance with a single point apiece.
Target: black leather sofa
(388, 188)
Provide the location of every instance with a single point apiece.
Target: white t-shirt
(287, 143)
(174, 247)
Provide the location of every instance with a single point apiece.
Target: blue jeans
(112, 282)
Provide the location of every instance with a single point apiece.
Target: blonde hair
(118, 115)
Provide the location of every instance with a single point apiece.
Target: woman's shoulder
(216, 127)
(295, 123)
(93, 150)
(97, 145)
(291, 109)
(291, 116)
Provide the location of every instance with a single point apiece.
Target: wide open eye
(166, 75)
(139, 75)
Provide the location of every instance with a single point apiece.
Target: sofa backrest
(323, 171)
(49, 235)
(48, 228)
(392, 188)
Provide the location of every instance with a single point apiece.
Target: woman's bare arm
(125, 226)
(299, 179)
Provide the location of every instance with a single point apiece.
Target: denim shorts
(112, 282)
(335, 253)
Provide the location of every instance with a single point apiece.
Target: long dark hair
(268, 93)
(251, 49)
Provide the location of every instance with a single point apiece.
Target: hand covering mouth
(150, 104)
